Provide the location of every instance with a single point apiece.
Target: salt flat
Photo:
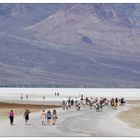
(36, 94)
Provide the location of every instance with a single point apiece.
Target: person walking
(67, 105)
(97, 106)
(84, 102)
(11, 117)
(76, 101)
(116, 100)
(27, 97)
(72, 102)
(43, 97)
(21, 97)
(78, 106)
(54, 116)
(43, 117)
(64, 104)
(82, 97)
(49, 117)
(26, 116)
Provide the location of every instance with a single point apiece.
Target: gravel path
(86, 122)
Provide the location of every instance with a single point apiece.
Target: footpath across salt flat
(71, 122)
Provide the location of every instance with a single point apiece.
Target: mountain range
(70, 45)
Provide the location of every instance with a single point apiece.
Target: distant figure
(54, 116)
(101, 106)
(49, 117)
(76, 101)
(122, 101)
(82, 97)
(43, 97)
(69, 102)
(67, 105)
(113, 103)
(96, 100)
(58, 94)
(55, 93)
(84, 102)
(26, 116)
(78, 106)
(72, 102)
(91, 104)
(43, 117)
(64, 104)
(11, 117)
(21, 97)
(97, 107)
(27, 97)
(116, 100)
